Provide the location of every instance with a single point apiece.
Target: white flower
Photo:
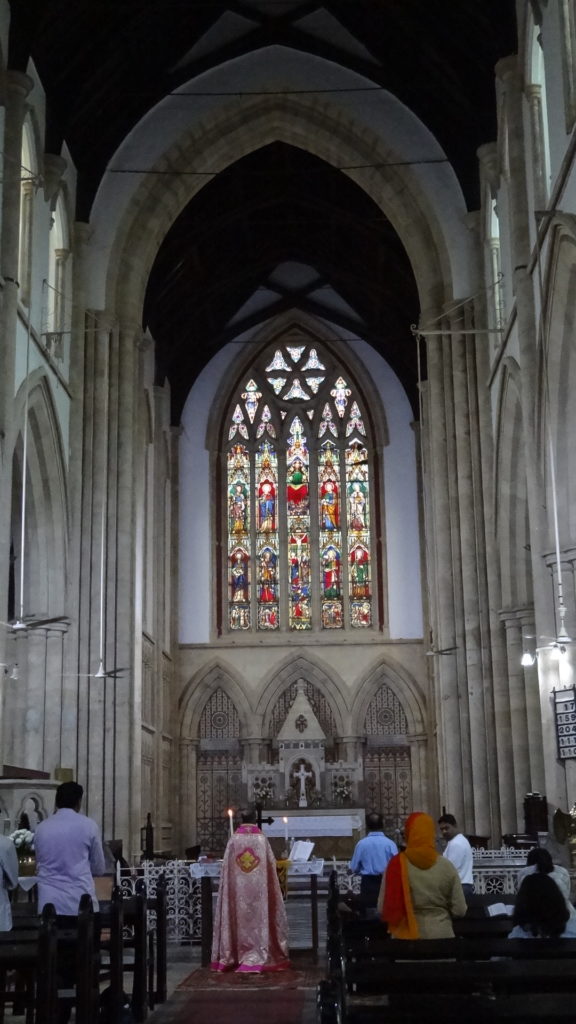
(342, 788)
(23, 839)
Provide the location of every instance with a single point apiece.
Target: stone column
(16, 86)
(187, 817)
(437, 476)
(520, 780)
(251, 747)
(532, 699)
(421, 789)
(350, 749)
(471, 586)
(534, 97)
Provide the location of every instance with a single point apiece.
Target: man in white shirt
(68, 853)
(458, 851)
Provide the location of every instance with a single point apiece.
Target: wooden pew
(79, 959)
(481, 979)
(31, 955)
(135, 942)
(157, 945)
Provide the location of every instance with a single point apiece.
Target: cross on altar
(302, 775)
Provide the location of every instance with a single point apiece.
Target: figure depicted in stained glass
(267, 506)
(332, 615)
(359, 572)
(357, 504)
(302, 611)
(268, 617)
(239, 576)
(331, 572)
(238, 496)
(329, 505)
(360, 613)
(297, 488)
(267, 576)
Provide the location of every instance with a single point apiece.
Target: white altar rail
(183, 893)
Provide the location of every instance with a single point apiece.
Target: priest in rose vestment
(250, 926)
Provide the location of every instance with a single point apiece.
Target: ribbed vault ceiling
(105, 63)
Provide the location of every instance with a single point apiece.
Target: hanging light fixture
(528, 659)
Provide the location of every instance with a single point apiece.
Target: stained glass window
(300, 513)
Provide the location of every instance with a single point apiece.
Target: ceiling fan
(24, 622)
(101, 673)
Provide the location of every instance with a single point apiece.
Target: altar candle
(118, 872)
(231, 816)
(285, 820)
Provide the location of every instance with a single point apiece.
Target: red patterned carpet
(206, 997)
(205, 980)
(288, 1006)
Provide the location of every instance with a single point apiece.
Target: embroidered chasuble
(250, 925)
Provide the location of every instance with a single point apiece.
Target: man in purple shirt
(68, 853)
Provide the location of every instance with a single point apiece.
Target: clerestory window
(299, 496)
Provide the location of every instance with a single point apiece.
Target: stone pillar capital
(18, 83)
(54, 168)
(507, 70)
(82, 232)
(488, 160)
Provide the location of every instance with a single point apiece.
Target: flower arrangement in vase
(23, 840)
(342, 789)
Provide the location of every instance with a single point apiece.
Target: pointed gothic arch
(46, 527)
(324, 130)
(396, 764)
(324, 680)
(296, 535)
(198, 691)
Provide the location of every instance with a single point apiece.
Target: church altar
(334, 831)
(213, 868)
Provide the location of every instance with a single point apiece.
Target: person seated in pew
(539, 861)
(421, 891)
(540, 911)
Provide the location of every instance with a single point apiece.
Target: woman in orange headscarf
(421, 891)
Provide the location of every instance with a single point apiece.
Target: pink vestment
(250, 926)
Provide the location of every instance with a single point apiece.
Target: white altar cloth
(213, 868)
(311, 825)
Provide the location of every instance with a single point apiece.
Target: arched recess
(46, 524)
(510, 494)
(331, 698)
(30, 735)
(390, 713)
(325, 132)
(214, 716)
(198, 691)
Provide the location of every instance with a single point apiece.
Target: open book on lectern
(301, 850)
